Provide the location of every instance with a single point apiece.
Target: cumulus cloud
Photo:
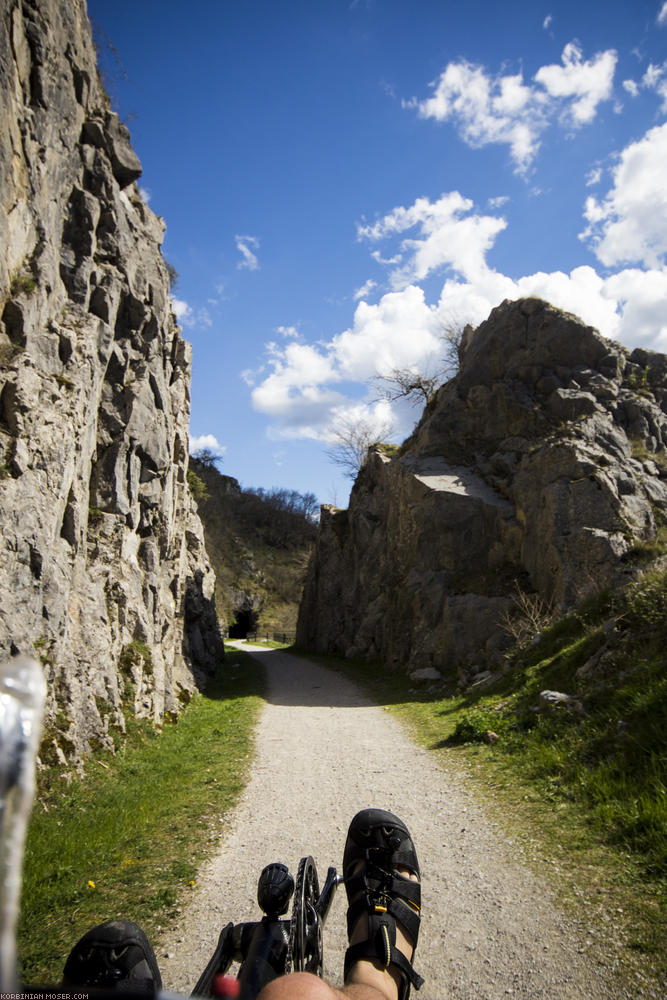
(547, 22)
(182, 310)
(209, 442)
(311, 387)
(401, 331)
(249, 259)
(629, 225)
(586, 83)
(642, 304)
(503, 109)
(448, 234)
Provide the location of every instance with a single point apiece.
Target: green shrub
(197, 487)
(22, 284)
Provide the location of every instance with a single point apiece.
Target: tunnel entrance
(245, 623)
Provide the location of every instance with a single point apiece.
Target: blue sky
(342, 181)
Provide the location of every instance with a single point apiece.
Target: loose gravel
(490, 929)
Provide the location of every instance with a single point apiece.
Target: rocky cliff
(103, 570)
(533, 474)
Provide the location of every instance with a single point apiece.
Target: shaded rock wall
(103, 569)
(539, 467)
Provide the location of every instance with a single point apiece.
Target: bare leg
(304, 986)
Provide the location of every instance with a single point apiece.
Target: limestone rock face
(539, 466)
(103, 569)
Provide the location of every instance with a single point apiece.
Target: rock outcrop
(534, 472)
(103, 569)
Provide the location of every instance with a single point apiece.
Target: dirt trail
(489, 931)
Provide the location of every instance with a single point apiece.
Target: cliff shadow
(298, 678)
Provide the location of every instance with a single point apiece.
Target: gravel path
(489, 930)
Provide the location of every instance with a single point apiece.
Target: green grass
(588, 787)
(127, 839)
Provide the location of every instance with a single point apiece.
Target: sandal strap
(401, 912)
(381, 945)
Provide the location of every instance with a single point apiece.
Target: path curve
(323, 751)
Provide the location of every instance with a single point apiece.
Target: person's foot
(114, 955)
(381, 873)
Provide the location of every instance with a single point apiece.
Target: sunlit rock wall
(103, 569)
(531, 475)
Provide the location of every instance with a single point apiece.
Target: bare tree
(407, 383)
(351, 441)
(207, 458)
(451, 334)
(419, 387)
(529, 616)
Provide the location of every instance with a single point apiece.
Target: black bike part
(274, 890)
(219, 962)
(323, 904)
(265, 958)
(306, 950)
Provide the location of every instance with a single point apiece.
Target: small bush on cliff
(133, 654)
(22, 284)
(197, 487)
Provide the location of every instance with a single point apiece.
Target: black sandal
(382, 842)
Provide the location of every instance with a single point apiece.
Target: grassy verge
(581, 785)
(127, 839)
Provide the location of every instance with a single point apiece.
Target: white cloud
(655, 78)
(661, 19)
(498, 202)
(250, 375)
(547, 22)
(288, 331)
(503, 109)
(182, 310)
(588, 83)
(448, 235)
(630, 224)
(208, 441)
(304, 392)
(401, 331)
(145, 194)
(594, 176)
(488, 110)
(294, 386)
(310, 387)
(249, 259)
(189, 317)
(642, 303)
(365, 289)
